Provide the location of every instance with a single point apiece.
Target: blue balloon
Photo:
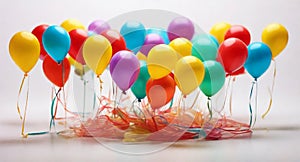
(56, 41)
(163, 33)
(259, 59)
(204, 47)
(134, 34)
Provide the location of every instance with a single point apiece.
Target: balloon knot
(139, 100)
(25, 74)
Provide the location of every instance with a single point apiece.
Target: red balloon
(240, 32)
(116, 40)
(78, 36)
(232, 54)
(58, 74)
(240, 71)
(38, 32)
(161, 91)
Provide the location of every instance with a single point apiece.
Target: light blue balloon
(56, 41)
(204, 47)
(134, 34)
(163, 33)
(259, 59)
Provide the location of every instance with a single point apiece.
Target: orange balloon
(58, 74)
(160, 91)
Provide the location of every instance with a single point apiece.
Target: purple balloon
(124, 69)
(181, 27)
(151, 40)
(98, 26)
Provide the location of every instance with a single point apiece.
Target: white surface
(276, 140)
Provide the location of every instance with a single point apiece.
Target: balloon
(116, 40)
(214, 39)
(97, 53)
(141, 56)
(181, 27)
(160, 91)
(71, 24)
(78, 36)
(239, 71)
(276, 37)
(219, 30)
(240, 32)
(259, 59)
(80, 69)
(160, 31)
(24, 49)
(38, 32)
(139, 86)
(98, 26)
(214, 78)
(189, 73)
(182, 46)
(204, 47)
(56, 42)
(151, 40)
(124, 69)
(134, 34)
(58, 74)
(232, 54)
(161, 61)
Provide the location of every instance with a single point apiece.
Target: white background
(276, 137)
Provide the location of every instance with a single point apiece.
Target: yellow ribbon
(271, 92)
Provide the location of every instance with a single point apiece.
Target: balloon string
(271, 92)
(20, 90)
(24, 135)
(250, 102)
(64, 104)
(84, 97)
(195, 100)
(256, 101)
(227, 91)
(171, 103)
(231, 94)
(100, 85)
(209, 107)
(53, 114)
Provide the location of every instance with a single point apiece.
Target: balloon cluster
(151, 62)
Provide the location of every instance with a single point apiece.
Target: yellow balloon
(71, 24)
(24, 49)
(141, 56)
(80, 69)
(189, 73)
(71, 60)
(97, 53)
(276, 37)
(161, 61)
(219, 30)
(182, 46)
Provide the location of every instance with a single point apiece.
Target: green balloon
(214, 78)
(204, 47)
(139, 86)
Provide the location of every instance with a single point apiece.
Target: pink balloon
(181, 27)
(124, 69)
(98, 26)
(151, 40)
